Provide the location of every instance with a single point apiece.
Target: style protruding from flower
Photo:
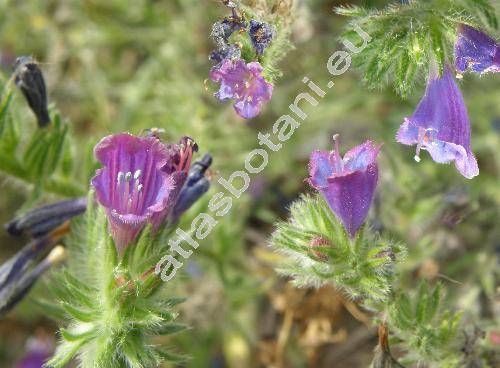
(440, 125)
(139, 182)
(476, 51)
(347, 183)
(245, 84)
(261, 35)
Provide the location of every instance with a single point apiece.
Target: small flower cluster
(440, 124)
(240, 79)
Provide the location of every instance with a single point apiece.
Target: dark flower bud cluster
(260, 33)
(29, 78)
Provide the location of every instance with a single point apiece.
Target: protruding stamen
(421, 135)
(425, 138)
(339, 164)
(120, 177)
(128, 176)
(137, 174)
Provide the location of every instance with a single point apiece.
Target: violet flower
(139, 181)
(38, 351)
(440, 125)
(245, 84)
(476, 51)
(346, 183)
(261, 35)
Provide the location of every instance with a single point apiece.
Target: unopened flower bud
(319, 241)
(17, 276)
(261, 34)
(29, 78)
(195, 186)
(42, 220)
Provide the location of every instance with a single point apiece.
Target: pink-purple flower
(440, 125)
(139, 181)
(243, 83)
(476, 51)
(347, 183)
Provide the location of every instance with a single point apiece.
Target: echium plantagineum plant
(247, 49)
(325, 242)
(107, 296)
(110, 291)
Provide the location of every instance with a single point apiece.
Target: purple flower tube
(440, 125)
(346, 183)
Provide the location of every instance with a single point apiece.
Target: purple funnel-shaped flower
(244, 83)
(346, 183)
(133, 185)
(440, 125)
(476, 51)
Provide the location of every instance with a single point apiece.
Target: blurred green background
(126, 66)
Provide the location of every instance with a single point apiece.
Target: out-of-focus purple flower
(133, 185)
(476, 51)
(440, 125)
(346, 183)
(34, 359)
(245, 84)
(38, 351)
(261, 34)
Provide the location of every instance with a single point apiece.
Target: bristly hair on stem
(319, 251)
(111, 306)
(423, 328)
(408, 37)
